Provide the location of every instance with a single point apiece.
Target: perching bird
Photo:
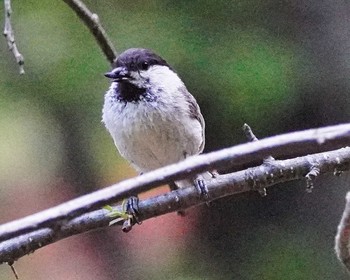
(153, 119)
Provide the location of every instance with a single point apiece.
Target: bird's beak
(119, 74)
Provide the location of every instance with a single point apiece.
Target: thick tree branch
(10, 38)
(264, 176)
(92, 21)
(28, 234)
(342, 239)
(286, 145)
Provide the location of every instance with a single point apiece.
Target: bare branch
(223, 185)
(286, 145)
(342, 239)
(91, 20)
(10, 38)
(28, 234)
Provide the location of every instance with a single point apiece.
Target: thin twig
(342, 239)
(249, 133)
(13, 269)
(92, 21)
(28, 234)
(252, 138)
(10, 38)
(268, 160)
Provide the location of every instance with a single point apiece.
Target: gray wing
(195, 113)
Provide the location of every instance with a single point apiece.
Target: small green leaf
(120, 215)
(108, 208)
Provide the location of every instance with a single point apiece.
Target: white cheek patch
(157, 76)
(162, 75)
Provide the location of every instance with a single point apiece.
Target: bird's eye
(144, 65)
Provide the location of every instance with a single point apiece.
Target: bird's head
(140, 67)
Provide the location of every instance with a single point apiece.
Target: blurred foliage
(277, 65)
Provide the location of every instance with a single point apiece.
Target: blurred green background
(279, 66)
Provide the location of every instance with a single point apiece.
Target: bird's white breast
(151, 134)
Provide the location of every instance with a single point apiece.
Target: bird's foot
(202, 188)
(129, 214)
(132, 209)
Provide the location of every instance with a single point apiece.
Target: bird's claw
(132, 209)
(201, 188)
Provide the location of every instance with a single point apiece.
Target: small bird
(152, 118)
